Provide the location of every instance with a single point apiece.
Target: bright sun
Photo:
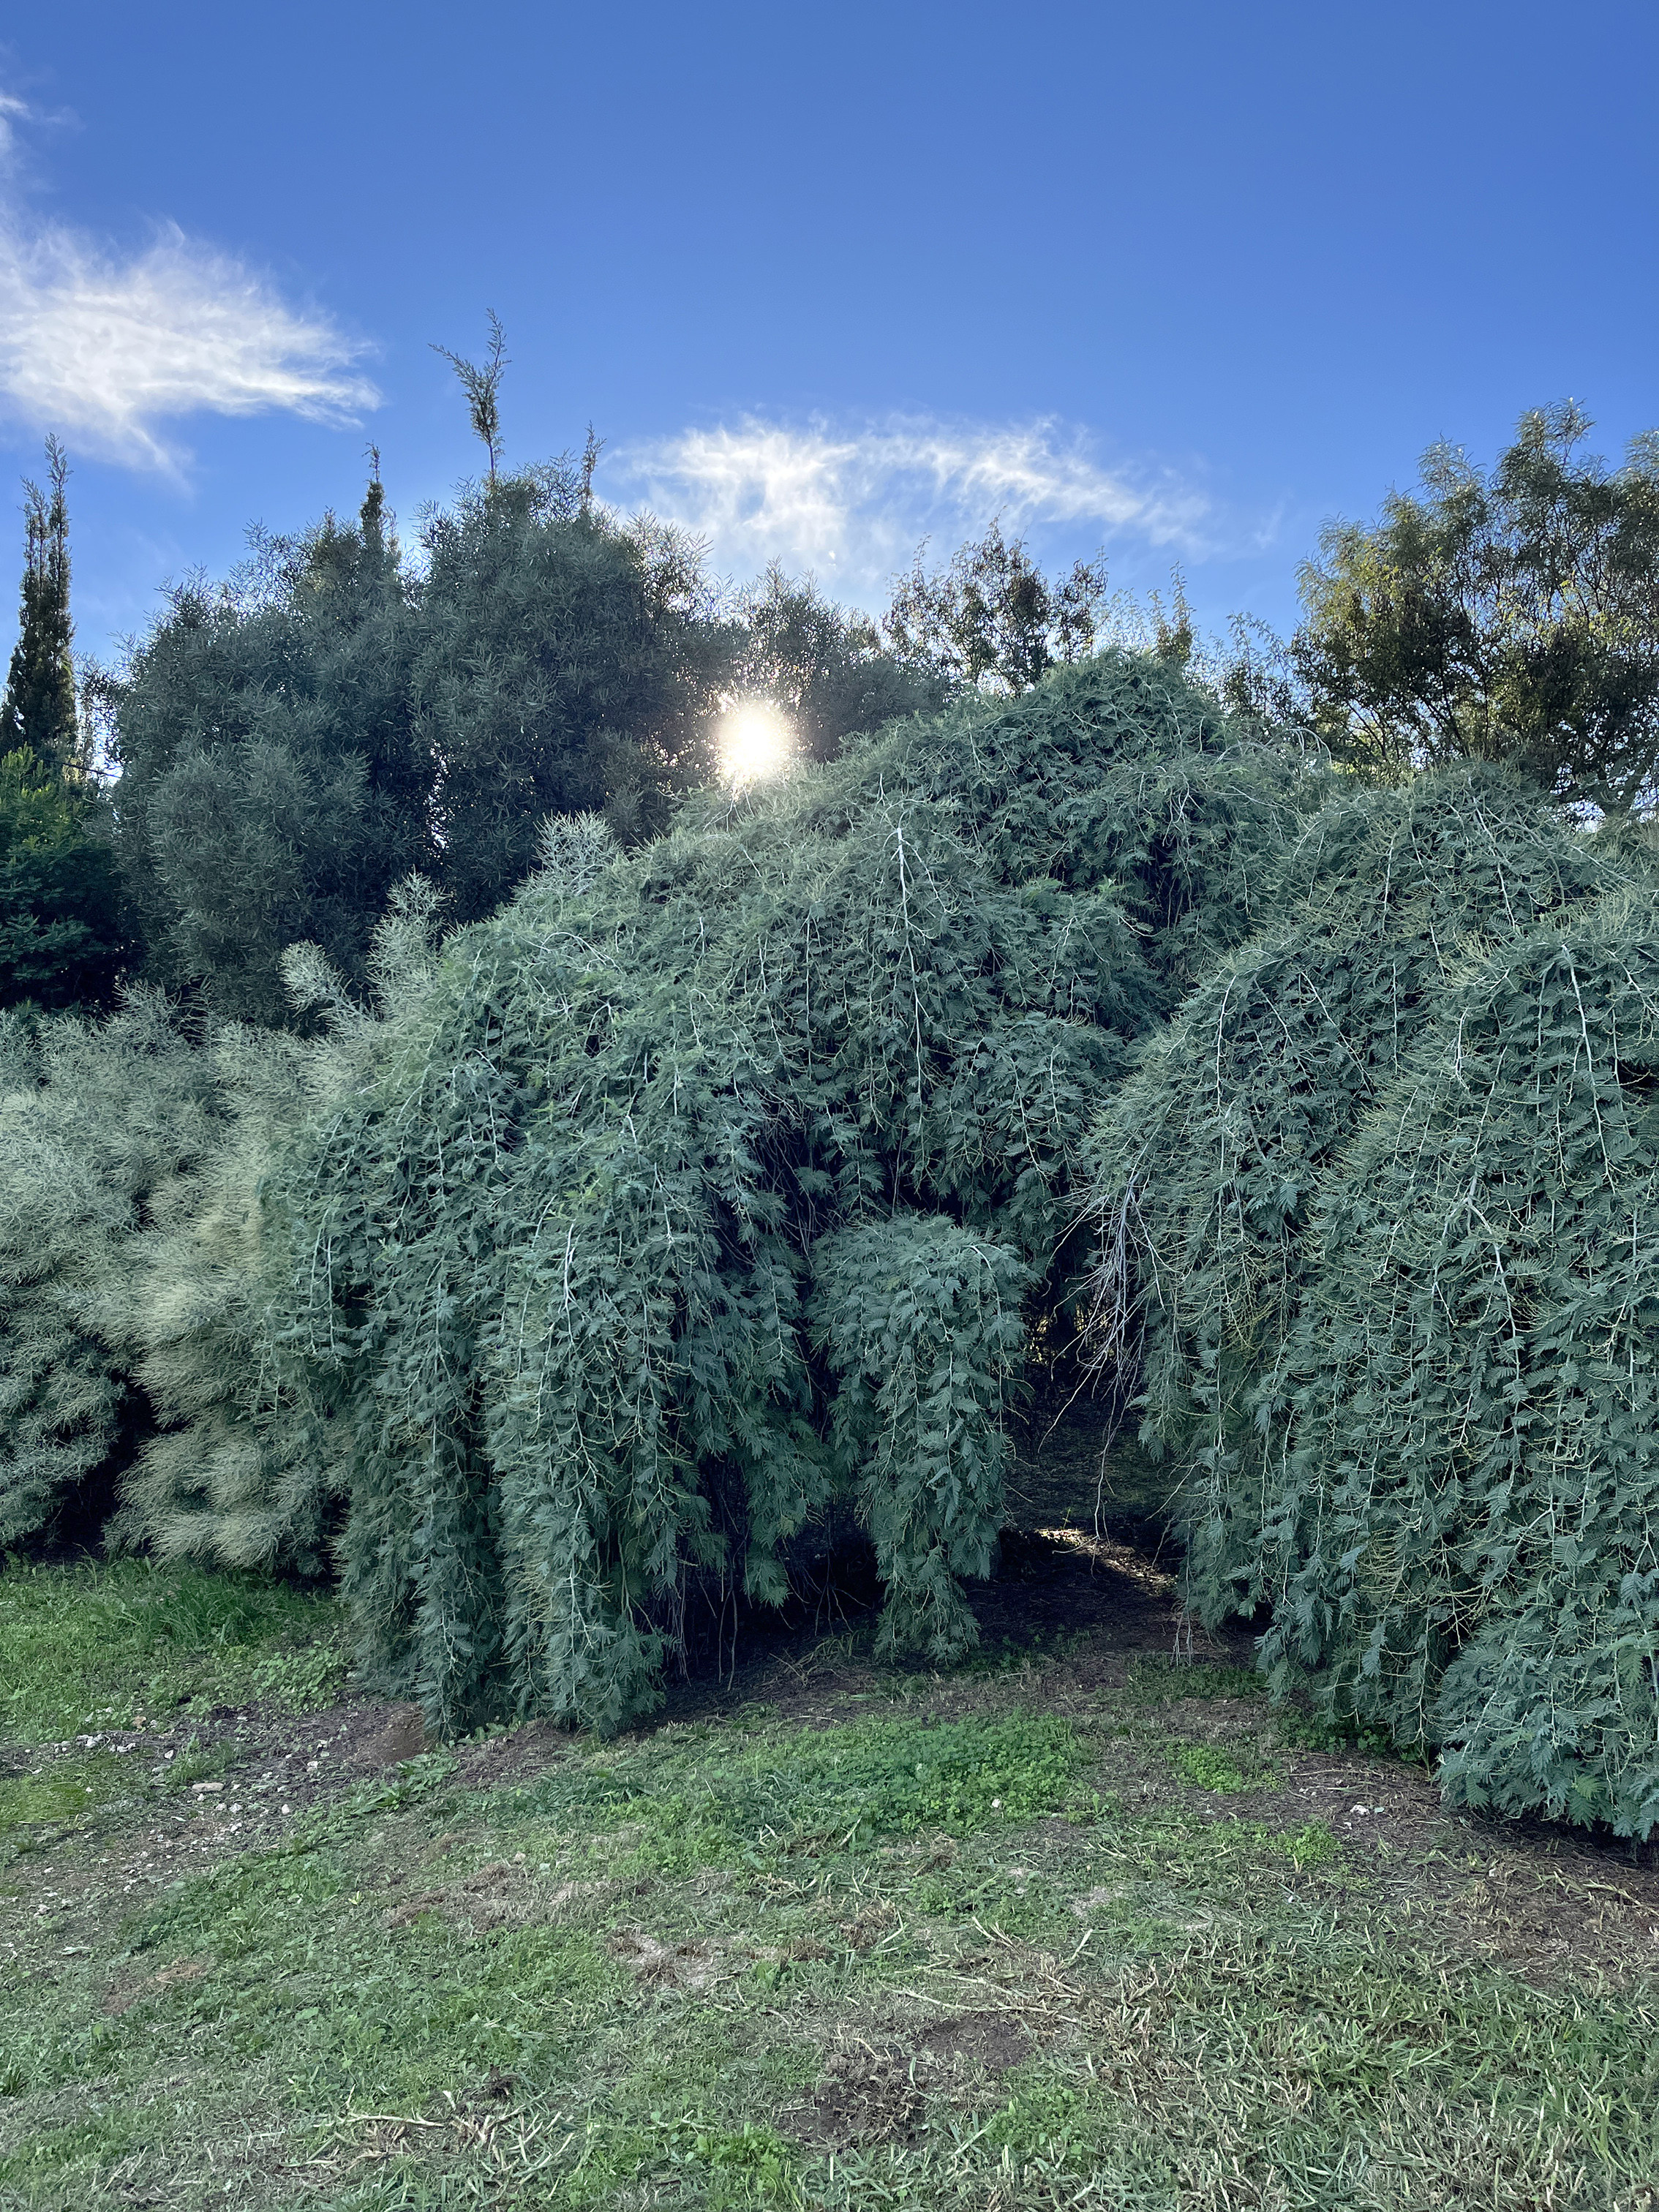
(756, 743)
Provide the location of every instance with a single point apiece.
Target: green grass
(100, 1646)
(1211, 1767)
(72, 1788)
(831, 1789)
(958, 1942)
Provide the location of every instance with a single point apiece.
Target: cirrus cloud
(853, 503)
(108, 351)
(111, 348)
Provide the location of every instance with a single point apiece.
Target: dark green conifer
(61, 937)
(61, 940)
(38, 708)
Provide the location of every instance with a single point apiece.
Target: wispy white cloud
(853, 504)
(112, 349)
(13, 112)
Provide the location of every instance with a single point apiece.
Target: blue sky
(1180, 283)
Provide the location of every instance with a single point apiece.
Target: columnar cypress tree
(62, 941)
(38, 708)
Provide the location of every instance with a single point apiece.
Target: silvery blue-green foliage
(240, 1470)
(132, 1263)
(574, 1261)
(1462, 1527)
(921, 1324)
(99, 1122)
(1211, 1157)
(247, 1466)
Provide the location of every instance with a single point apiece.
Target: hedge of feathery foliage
(1374, 1242)
(706, 1193)
(711, 1198)
(1461, 1532)
(240, 1466)
(1208, 1161)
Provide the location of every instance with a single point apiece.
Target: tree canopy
(1508, 615)
(990, 614)
(827, 669)
(293, 742)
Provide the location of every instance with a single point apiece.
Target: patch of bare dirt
(403, 1735)
(866, 1931)
(868, 2096)
(1541, 1898)
(123, 1996)
(1544, 1914)
(519, 1753)
(874, 2091)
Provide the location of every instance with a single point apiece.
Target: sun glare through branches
(757, 743)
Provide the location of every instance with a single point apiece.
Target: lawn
(1077, 1925)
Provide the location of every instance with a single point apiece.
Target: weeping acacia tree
(1374, 1238)
(1208, 1163)
(1461, 1526)
(707, 1193)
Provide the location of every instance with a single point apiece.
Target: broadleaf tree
(827, 669)
(991, 617)
(1508, 614)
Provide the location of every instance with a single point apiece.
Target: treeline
(647, 1184)
(283, 748)
(293, 745)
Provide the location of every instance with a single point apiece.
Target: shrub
(241, 1470)
(1210, 1160)
(248, 1468)
(97, 1122)
(706, 1192)
(133, 1353)
(1463, 1487)
(61, 937)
